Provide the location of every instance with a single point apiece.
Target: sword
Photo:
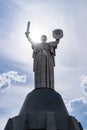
(27, 30)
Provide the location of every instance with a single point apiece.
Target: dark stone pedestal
(43, 109)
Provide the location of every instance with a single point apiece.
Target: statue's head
(43, 38)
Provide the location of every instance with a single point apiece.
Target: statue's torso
(44, 63)
(44, 49)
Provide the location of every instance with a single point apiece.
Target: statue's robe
(44, 62)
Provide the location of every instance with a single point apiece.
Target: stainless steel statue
(44, 59)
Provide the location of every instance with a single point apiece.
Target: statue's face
(43, 38)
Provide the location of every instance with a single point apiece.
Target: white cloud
(75, 103)
(84, 84)
(7, 78)
(78, 108)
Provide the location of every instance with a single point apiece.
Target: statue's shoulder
(52, 43)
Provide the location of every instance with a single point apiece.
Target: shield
(57, 33)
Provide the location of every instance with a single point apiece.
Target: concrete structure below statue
(43, 109)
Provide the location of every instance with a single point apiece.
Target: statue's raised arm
(57, 35)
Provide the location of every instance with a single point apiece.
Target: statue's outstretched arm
(54, 43)
(29, 38)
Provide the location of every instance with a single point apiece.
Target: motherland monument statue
(44, 109)
(44, 58)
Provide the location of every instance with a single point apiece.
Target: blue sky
(16, 75)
